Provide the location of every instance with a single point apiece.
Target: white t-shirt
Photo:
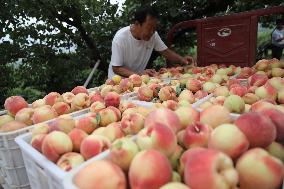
(132, 53)
(277, 34)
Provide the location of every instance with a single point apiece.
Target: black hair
(279, 21)
(141, 14)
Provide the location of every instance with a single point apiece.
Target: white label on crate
(224, 32)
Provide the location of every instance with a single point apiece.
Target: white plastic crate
(12, 163)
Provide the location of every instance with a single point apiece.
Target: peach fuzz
(68, 97)
(43, 113)
(187, 116)
(258, 169)
(37, 141)
(132, 123)
(186, 95)
(210, 169)
(25, 116)
(97, 175)
(174, 185)
(236, 142)
(14, 104)
(215, 115)
(167, 93)
(77, 136)
(87, 124)
(79, 89)
(193, 85)
(56, 144)
(92, 145)
(163, 116)
(258, 128)
(257, 80)
(277, 117)
(61, 108)
(62, 124)
(38, 103)
(149, 169)
(53, 97)
(158, 137)
(109, 115)
(136, 80)
(195, 135)
(69, 161)
(122, 152)
(145, 94)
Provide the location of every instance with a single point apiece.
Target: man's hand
(188, 60)
(150, 72)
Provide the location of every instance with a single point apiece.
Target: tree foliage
(53, 44)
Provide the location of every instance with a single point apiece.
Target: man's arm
(175, 58)
(122, 71)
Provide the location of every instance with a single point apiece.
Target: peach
(195, 135)
(70, 160)
(163, 116)
(61, 108)
(109, 115)
(250, 98)
(167, 93)
(79, 89)
(193, 84)
(266, 92)
(92, 145)
(280, 96)
(116, 79)
(261, 105)
(87, 124)
(277, 117)
(68, 97)
(155, 88)
(200, 94)
(38, 103)
(132, 123)
(219, 100)
(275, 63)
(221, 91)
(175, 177)
(245, 73)
(210, 169)
(186, 95)
(124, 105)
(77, 136)
(113, 131)
(149, 169)
(53, 97)
(257, 80)
(277, 150)
(216, 78)
(125, 85)
(258, 128)
(258, 169)
(97, 175)
(43, 113)
(110, 82)
(56, 144)
(37, 141)
(41, 128)
(232, 82)
(80, 101)
(238, 90)
(97, 106)
(96, 96)
(145, 78)
(105, 89)
(62, 124)
(136, 80)
(174, 185)
(25, 116)
(205, 105)
(158, 137)
(277, 72)
(236, 142)
(262, 64)
(5, 119)
(122, 152)
(234, 103)
(276, 82)
(145, 94)
(187, 116)
(13, 104)
(209, 87)
(174, 158)
(215, 115)
(170, 104)
(112, 99)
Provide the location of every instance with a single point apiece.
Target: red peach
(43, 113)
(53, 97)
(97, 106)
(62, 124)
(193, 85)
(145, 94)
(258, 128)
(61, 108)
(113, 131)
(132, 123)
(109, 115)
(167, 93)
(136, 80)
(155, 88)
(187, 116)
(79, 89)
(186, 95)
(266, 92)
(261, 105)
(70, 160)
(87, 124)
(200, 94)
(215, 115)
(37, 141)
(80, 101)
(257, 80)
(96, 97)
(112, 99)
(231, 82)
(13, 104)
(25, 116)
(124, 105)
(77, 136)
(170, 104)
(68, 97)
(125, 85)
(149, 169)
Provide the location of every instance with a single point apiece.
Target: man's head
(280, 23)
(145, 20)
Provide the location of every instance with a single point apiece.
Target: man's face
(148, 28)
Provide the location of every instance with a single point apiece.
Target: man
(132, 46)
(277, 40)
